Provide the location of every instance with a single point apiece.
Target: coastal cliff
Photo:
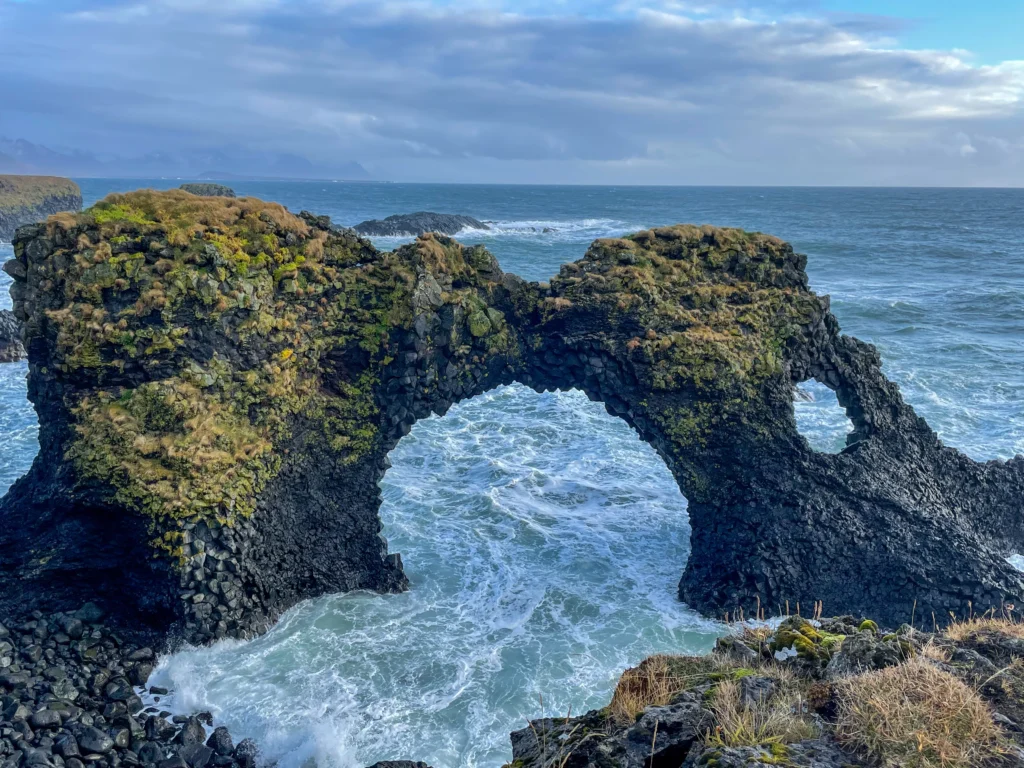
(28, 199)
(219, 382)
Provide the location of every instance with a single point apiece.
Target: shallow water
(543, 539)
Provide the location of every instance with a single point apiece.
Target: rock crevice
(219, 383)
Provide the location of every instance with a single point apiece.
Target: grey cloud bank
(419, 92)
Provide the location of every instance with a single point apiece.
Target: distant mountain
(21, 156)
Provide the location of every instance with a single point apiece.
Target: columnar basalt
(219, 383)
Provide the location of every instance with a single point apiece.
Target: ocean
(543, 540)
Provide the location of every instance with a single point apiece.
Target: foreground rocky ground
(827, 693)
(69, 698)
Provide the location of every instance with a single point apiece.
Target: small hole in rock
(820, 418)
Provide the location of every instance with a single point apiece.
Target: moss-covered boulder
(28, 199)
(219, 382)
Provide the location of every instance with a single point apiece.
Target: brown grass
(655, 682)
(917, 715)
(964, 629)
(779, 720)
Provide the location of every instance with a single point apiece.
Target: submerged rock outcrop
(406, 224)
(219, 383)
(206, 189)
(28, 199)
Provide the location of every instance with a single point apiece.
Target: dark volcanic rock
(261, 369)
(28, 199)
(208, 190)
(11, 349)
(40, 726)
(414, 224)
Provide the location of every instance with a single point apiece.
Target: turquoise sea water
(544, 541)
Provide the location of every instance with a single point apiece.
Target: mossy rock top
(33, 191)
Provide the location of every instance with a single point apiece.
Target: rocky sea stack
(27, 199)
(219, 382)
(205, 189)
(414, 224)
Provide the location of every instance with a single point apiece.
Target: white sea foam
(539, 230)
(540, 565)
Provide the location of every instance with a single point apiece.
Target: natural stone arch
(219, 383)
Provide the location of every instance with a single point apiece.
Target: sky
(819, 92)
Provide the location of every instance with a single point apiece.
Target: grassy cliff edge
(28, 199)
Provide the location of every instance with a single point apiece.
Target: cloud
(672, 92)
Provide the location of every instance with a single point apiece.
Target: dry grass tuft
(964, 629)
(917, 715)
(655, 682)
(779, 720)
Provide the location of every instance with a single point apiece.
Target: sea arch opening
(543, 540)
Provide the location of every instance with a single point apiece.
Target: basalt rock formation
(11, 348)
(219, 383)
(406, 224)
(206, 189)
(28, 199)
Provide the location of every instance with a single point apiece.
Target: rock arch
(219, 383)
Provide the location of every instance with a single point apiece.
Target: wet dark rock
(90, 613)
(151, 752)
(66, 746)
(92, 739)
(399, 764)
(414, 224)
(45, 719)
(192, 732)
(196, 755)
(159, 729)
(220, 741)
(246, 753)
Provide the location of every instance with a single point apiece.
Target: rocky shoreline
(70, 698)
(810, 693)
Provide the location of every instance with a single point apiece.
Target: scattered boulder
(415, 224)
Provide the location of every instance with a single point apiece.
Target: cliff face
(219, 382)
(28, 199)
